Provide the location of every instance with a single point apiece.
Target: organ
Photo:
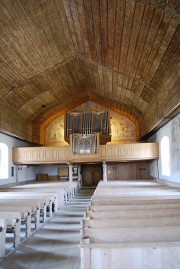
(84, 127)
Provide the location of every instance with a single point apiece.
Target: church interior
(89, 134)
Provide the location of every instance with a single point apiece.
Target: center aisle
(55, 245)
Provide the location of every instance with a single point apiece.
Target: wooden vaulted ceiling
(56, 54)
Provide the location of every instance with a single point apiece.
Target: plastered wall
(21, 173)
(172, 131)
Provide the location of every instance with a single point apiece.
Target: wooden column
(79, 173)
(104, 171)
(70, 172)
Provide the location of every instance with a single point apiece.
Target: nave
(55, 244)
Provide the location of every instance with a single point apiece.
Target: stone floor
(55, 245)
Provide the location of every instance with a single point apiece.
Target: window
(165, 156)
(3, 161)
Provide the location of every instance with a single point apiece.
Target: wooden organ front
(84, 127)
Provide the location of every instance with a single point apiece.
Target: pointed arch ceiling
(56, 54)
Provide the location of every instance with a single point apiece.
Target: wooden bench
(115, 200)
(48, 198)
(133, 234)
(131, 225)
(25, 215)
(13, 220)
(127, 256)
(131, 222)
(134, 206)
(37, 206)
(134, 213)
(65, 191)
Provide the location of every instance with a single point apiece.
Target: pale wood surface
(140, 230)
(121, 152)
(55, 245)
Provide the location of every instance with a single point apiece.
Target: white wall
(51, 170)
(20, 173)
(172, 131)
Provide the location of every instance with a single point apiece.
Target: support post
(104, 171)
(79, 175)
(70, 172)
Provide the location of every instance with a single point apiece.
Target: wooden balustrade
(114, 153)
(129, 152)
(41, 155)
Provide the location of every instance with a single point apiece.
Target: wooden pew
(134, 213)
(13, 220)
(36, 206)
(65, 191)
(116, 200)
(56, 194)
(131, 222)
(130, 255)
(131, 225)
(129, 235)
(48, 198)
(3, 226)
(25, 215)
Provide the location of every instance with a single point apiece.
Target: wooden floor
(55, 245)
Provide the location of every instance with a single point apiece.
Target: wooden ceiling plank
(146, 22)
(59, 83)
(89, 22)
(125, 82)
(44, 31)
(170, 68)
(53, 34)
(114, 83)
(100, 73)
(61, 21)
(171, 49)
(71, 25)
(150, 39)
(77, 30)
(83, 28)
(118, 32)
(160, 53)
(111, 21)
(32, 39)
(156, 46)
(104, 34)
(84, 65)
(105, 82)
(11, 56)
(109, 82)
(120, 82)
(127, 30)
(99, 79)
(91, 81)
(35, 35)
(97, 28)
(138, 16)
(94, 78)
(80, 82)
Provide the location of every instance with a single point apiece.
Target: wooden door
(91, 174)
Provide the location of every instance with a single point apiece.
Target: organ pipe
(87, 123)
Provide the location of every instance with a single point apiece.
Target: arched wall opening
(3, 161)
(165, 156)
